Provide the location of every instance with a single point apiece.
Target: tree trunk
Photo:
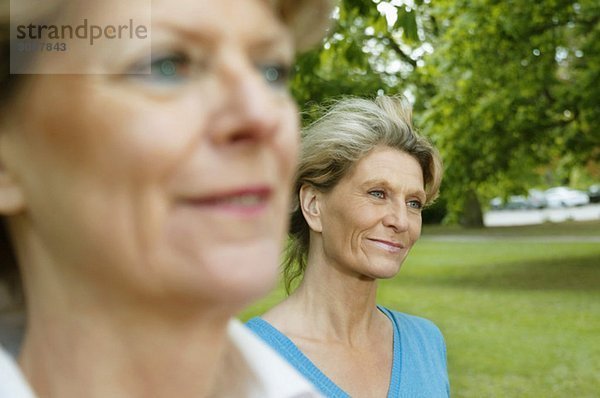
(472, 216)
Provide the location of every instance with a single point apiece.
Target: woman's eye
(415, 204)
(171, 67)
(275, 74)
(166, 68)
(377, 194)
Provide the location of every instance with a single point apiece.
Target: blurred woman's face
(372, 217)
(171, 182)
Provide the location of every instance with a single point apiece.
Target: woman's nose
(250, 113)
(397, 218)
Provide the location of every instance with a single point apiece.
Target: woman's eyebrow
(385, 183)
(280, 44)
(376, 181)
(207, 33)
(187, 32)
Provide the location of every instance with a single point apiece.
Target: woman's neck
(88, 336)
(95, 353)
(330, 305)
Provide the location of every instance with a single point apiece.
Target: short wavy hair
(349, 130)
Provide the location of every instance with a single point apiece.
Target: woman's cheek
(288, 143)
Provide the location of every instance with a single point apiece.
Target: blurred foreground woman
(144, 189)
(365, 176)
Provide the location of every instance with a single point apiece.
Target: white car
(565, 197)
(537, 199)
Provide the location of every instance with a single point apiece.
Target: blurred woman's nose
(250, 112)
(397, 217)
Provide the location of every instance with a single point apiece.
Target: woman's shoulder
(413, 325)
(274, 377)
(261, 327)
(255, 322)
(423, 350)
(271, 335)
(277, 321)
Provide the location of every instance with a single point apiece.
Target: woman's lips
(244, 201)
(392, 247)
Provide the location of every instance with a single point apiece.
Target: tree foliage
(362, 55)
(510, 86)
(504, 88)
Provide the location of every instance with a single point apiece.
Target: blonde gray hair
(349, 130)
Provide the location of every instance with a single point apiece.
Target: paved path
(511, 238)
(504, 218)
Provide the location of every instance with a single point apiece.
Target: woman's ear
(310, 203)
(12, 200)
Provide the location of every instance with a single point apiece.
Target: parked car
(594, 193)
(565, 197)
(537, 199)
(517, 202)
(514, 202)
(497, 203)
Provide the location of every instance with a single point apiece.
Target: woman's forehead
(102, 33)
(191, 14)
(386, 165)
(251, 21)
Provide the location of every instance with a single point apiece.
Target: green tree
(502, 87)
(363, 55)
(510, 86)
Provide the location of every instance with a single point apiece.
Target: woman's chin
(384, 271)
(244, 287)
(235, 274)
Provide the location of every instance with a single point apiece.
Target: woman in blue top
(364, 177)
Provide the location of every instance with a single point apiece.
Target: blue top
(418, 365)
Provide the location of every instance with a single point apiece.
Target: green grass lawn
(520, 312)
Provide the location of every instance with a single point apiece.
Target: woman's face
(372, 217)
(171, 182)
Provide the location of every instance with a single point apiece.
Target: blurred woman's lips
(392, 247)
(248, 201)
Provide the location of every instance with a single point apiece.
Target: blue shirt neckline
(324, 383)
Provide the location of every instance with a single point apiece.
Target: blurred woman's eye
(166, 68)
(275, 74)
(171, 67)
(415, 204)
(377, 194)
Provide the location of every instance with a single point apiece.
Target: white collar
(12, 381)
